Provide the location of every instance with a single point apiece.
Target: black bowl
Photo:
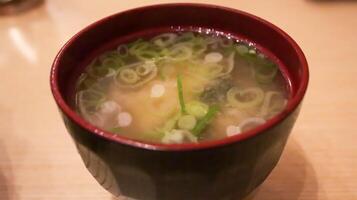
(224, 169)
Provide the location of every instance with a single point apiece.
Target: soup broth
(181, 87)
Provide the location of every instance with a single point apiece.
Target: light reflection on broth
(181, 87)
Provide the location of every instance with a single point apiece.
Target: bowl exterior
(228, 172)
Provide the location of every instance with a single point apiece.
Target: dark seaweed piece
(216, 93)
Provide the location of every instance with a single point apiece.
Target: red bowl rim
(293, 103)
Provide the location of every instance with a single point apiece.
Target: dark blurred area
(12, 7)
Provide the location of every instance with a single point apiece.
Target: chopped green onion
(206, 120)
(164, 52)
(185, 37)
(91, 95)
(261, 56)
(114, 63)
(252, 52)
(143, 50)
(89, 100)
(247, 98)
(123, 51)
(146, 54)
(178, 136)
(180, 52)
(199, 46)
(85, 81)
(230, 64)
(128, 76)
(242, 49)
(88, 82)
(251, 123)
(187, 122)
(227, 51)
(218, 70)
(197, 109)
(266, 73)
(144, 69)
(274, 102)
(180, 94)
(170, 123)
(138, 46)
(164, 40)
(211, 40)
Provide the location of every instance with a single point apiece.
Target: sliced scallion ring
(197, 109)
(246, 98)
(270, 106)
(251, 123)
(242, 49)
(180, 52)
(130, 79)
(229, 66)
(85, 81)
(164, 40)
(177, 136)
(219, 70)
(265, 73)
(147, 55)
(89, 100)
(187, 122)
(252, 52)
(139, 46)
(185, 37)
(128, 76)
(170, 123)
(199, 46)
(123, 50)
(211, 40)
(163, 53)
(144, 69)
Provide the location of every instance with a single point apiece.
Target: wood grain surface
(38, 160)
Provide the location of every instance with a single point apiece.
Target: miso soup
(181, 87)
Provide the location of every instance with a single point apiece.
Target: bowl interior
(147, 20)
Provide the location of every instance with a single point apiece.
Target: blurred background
(38, 160)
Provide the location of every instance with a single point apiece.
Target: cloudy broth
(181, 87)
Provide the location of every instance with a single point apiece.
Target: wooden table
(38, 159)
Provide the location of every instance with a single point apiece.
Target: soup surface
(181, 87)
